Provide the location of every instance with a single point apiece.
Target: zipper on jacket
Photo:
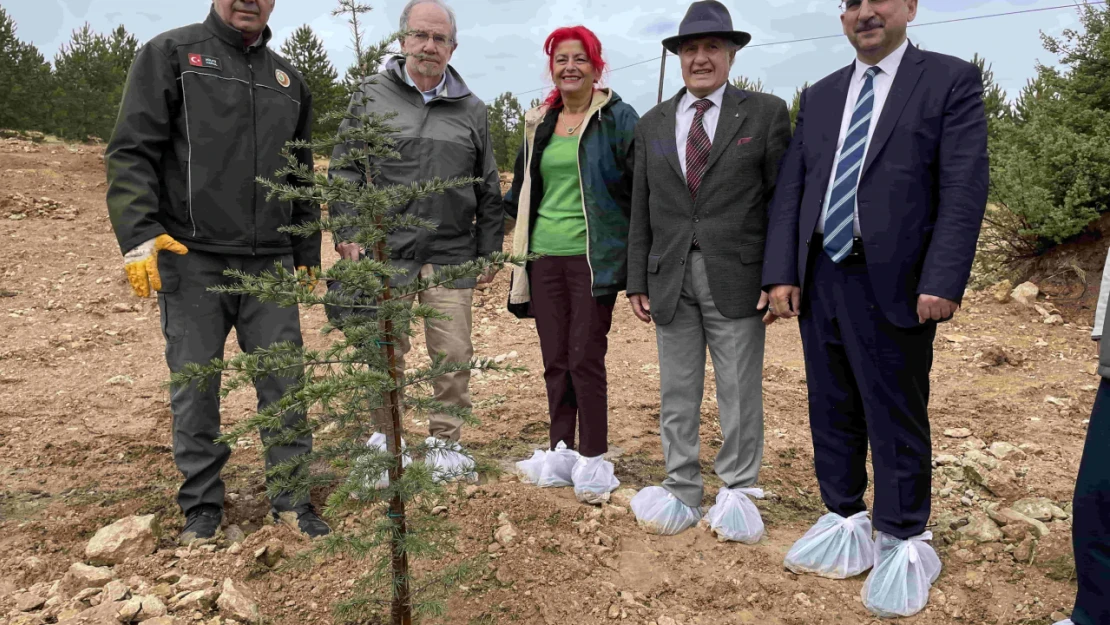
(254, 162)
(582, 190)
(582, 194)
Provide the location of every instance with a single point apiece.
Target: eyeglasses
(851, 6)
(421, 37)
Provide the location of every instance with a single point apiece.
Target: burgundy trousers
(573, 326)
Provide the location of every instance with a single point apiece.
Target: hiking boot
(308, 522)
(201, 524)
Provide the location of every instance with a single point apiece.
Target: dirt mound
(17, 206)
(1070, 274)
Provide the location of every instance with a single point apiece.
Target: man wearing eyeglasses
(872, 233)
(442, 133)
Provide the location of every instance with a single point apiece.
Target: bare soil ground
(85, 440)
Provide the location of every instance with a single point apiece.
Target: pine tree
(506, 118)
(90, 72)
(345, 383)
(306, 52)
(24, 81)
(1050, 157)
(747, 84)
(368, 59)
(994, 97)
(796, 105)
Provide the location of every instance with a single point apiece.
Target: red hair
(593, 52)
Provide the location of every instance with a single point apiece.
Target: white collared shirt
(684, 119)
(882, 82)
(430, 94)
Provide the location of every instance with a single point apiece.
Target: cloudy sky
(500, 40)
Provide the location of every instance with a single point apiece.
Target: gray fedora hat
(706, 18)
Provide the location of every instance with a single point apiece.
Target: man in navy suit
(872, 233)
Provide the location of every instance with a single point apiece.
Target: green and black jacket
(202, 117)
(605, 165)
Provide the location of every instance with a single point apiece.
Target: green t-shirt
(560, 228)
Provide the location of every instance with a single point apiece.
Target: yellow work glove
(312, 279)
(141, 263)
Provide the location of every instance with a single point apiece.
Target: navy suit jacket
(922, 192)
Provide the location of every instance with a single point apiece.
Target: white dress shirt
(432, 93)
(882, 82)
(684, 119)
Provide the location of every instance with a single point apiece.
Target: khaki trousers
(452, 338)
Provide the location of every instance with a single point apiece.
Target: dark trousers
(1091, 518)
(195, 323)
(868, 382)
(573, 326)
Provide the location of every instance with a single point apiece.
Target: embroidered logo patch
(211, 62)
(282, 78)
(196, 60)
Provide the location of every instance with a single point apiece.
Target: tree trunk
(402, 599)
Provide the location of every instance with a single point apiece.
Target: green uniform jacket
(202, 116)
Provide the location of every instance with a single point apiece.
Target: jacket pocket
(752, 253)
(653, 263)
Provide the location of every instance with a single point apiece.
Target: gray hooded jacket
(446, 138)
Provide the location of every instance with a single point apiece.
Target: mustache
(420, 56)
(871, 24)
(245, 7)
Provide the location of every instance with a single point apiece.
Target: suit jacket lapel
(728, 123)
(832, 117)
(667, 134)
(909, 73)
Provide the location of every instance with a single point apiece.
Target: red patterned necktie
(698, 146)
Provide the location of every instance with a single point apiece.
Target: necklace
(571, 129)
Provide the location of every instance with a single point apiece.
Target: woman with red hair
(571, 199)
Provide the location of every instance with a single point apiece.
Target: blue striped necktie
(840, 212)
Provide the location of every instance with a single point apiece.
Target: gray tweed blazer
(730, 216)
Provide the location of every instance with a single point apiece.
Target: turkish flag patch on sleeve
(196, 60)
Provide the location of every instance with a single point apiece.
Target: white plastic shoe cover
(660, 512)
(593, 480)
(448, 462)
(378, 441)
(548, 469)
(835, 547)
(735, 517)
(531, 468)
(904, 572)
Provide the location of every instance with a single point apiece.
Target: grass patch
(1060, 569)
(638, 469)
(805, 508)
(500, 449)
(21, 505)
(492, 616)
(536, 431)
(490, 402)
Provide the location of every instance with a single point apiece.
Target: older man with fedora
(705, 167)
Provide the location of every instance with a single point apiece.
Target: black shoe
(308, 521)
(201, 524)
